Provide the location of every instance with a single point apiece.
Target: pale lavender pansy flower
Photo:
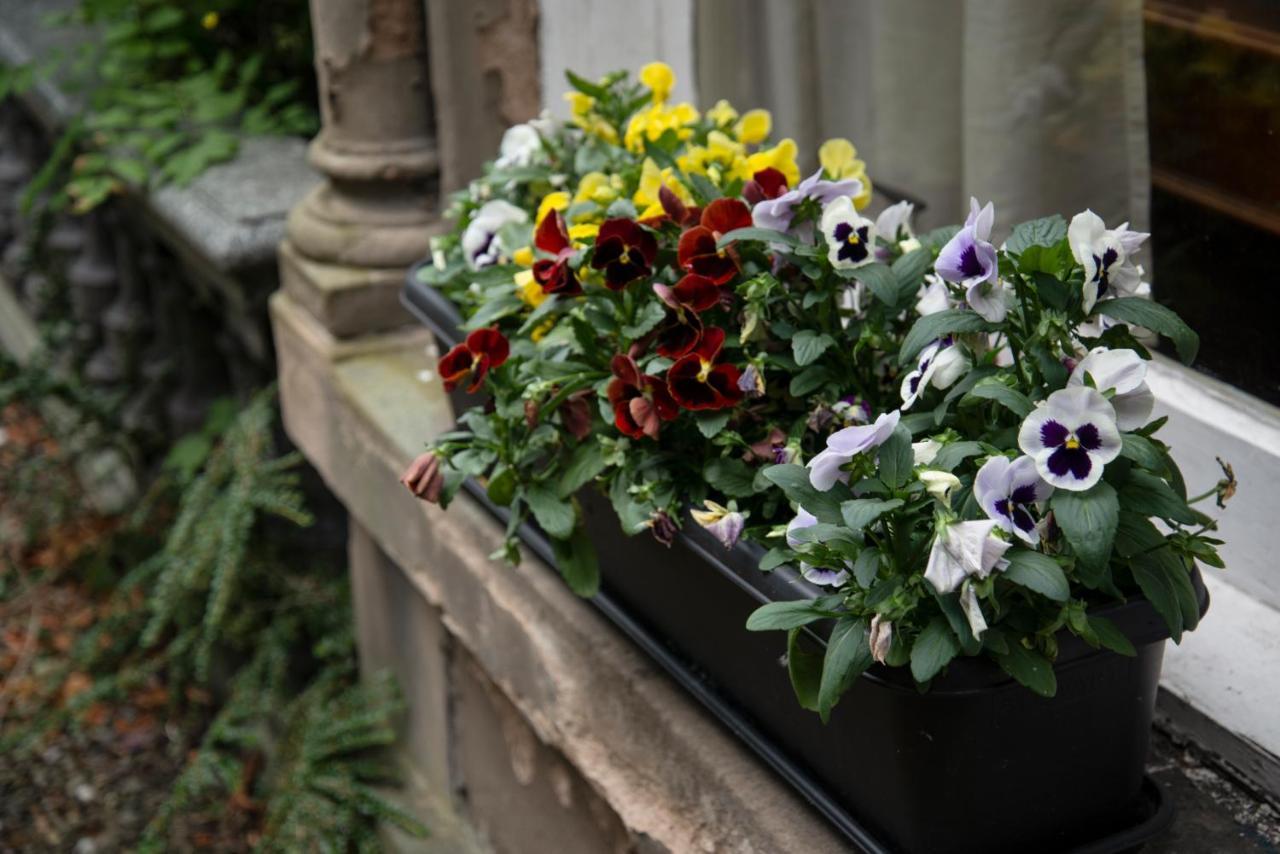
(776, 214)
(969, 257)
(934, 296)
(1008, 490)
(481, 245)
(722, 523)
(812, 574)
(1071, 436)
(844, 445)
(521, 146)
(851, 299)
(1104, 254)
(851, 237)
(894, 222)
(940, 365)
(1125, 373)
(962, 550)
(991, 300)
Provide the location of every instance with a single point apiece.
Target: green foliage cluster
(226, 610)
(168, 88)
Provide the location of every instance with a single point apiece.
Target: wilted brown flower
(424, 478)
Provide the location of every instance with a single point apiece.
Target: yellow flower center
(705, 372)
(853, 239)
(1072, 443)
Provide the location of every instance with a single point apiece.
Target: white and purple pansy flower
(481, 245)
(991, 300)
(934, 296)
(851, 237)
(843, 445)
(893, 224)
(969, 257)
(521, 146)
(813, 574)
(1008, 490)
(1123, 372)
(940, 365)
(1104, 254)
(962, 550)
(1071, 436)
(721, 522)
(777, 214)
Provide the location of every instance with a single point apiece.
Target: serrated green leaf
(731, 476)
(711, 423)
(1147, 494)
(931, 327)
(766, 235)
(805, 669)
(992, 389)
(554, 514)
(896, 459)
(785, 615)
(807, 345)
(577, 563)
(586, 462)
(1089, 520)
(860, 512)
(1030, 668)
(1046, 231)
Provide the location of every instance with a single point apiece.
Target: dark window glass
(1213, 101)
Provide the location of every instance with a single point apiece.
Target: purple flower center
(853, 242)
(1015, 508)
(1103, 272)
(1072, 449)
(970, 265)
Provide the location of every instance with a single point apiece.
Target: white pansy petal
(1133, 409)
(948, 366)
(923, 453)
(991, 485)
(1085, 229)
(822, 576)
(824, 469)
(803, 519)
(972, 611)
(943, 571)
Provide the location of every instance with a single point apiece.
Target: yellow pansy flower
(210, 20)
(581, 232)
(652, 179)
(722, 114)
(557, 201)
(582, 107)
(580, 103)
(523, 256)
(652, 122)
(599, 188)
(754, 126)
(840, 161)
(660, 79)
(529, 291)
(781, 157)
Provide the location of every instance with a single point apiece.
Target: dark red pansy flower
(765, 184)
(554, 274)
(483, 350)
(625, 251)
(677, 211)
(697, 250)
(699, 381)
(688, 298)
(640, 401)
(575, 414)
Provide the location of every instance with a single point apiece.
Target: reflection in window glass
(1213, 99)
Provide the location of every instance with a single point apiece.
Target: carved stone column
(349, 242)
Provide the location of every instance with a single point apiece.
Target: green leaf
(909, 270)
(502, 486)
(952, 454)
(1164, 580)
(805, 668)
(1037, 572)
(711, 423)
(731, 476)
(1047, 231)
(647, 318)
(880, 280)
(585, 86)
(896, 459)
(848, 655)
(577, 563)
(794, 481)
(931, 327)
(1030, 668)
(766, 235)
(1157, 318)
(587, 461)
(1149, 495)
(774, 558)
(861, 512)
(493, 309)
(1089, 521)
(1110, 636)
(866, 567)
(933, 650)
(633, 514)
(808, 345)
(554, 514)
(785, 615)
(808, 380)
(1142, 451)
(992, 389)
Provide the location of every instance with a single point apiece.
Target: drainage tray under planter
(893, 768)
